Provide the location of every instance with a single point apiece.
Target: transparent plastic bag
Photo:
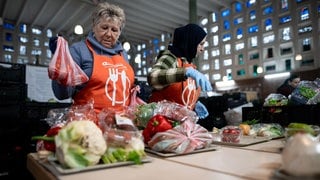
(62, 67)
(175, 111)
(117, 127)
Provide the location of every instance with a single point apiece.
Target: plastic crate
(13, 92)
(12, 73)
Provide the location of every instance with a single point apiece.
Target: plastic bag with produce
(274, 99)
(305, 93)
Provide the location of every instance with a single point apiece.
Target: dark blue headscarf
(186, 40)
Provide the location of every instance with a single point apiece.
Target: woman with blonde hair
(103, 59)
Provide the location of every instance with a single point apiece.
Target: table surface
(258, 161)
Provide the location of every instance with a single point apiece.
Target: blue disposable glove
(53, 44)
(201, 80)
(201, 110)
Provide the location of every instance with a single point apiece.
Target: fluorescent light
(271, 76)
(220, 84)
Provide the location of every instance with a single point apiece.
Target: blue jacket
(83, 57)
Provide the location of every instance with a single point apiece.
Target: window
(268, 24)
(306, 44)
(215, 52)
(214, 17)
(9, 37)
(304, 13)
(226, 24)
(216, 65)
(241, 72)
(7, 57)
(238, 20)
(23, 50)
(239, 46)
(205, 67)
(49, 33)
(252, 15)
(215, 40)
(229, 74)
(226, 37)
(284, 5)
(225, 13)
(23, 28)
(227, 49)
(238, 7)
(250, 3)
(239, 33)
(305, 29)
(36, 42)
(288, 64)
(227, 62)
(36, 31)
(216, 77)
(253, 29)
(285, 19)
(240, 59)
(268, 10)
(214, 29)
(253, 41)
(205, 55)
(8, 48)
(286, 34)
(268, 38)
(8, 26)
(23, 39)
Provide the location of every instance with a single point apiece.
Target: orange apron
(184, 92)
(110, 83)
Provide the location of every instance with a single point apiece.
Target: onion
(301, 155)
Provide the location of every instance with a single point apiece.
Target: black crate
(13, 92)
(11, 112)
(283, 115)
(250, 113)
(13, 73)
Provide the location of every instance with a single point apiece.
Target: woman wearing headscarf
(174, 76)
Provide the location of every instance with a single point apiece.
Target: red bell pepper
(48, 138)
(157, 123)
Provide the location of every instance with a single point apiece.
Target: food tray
(61, 170)
(244, 141)
(163, 154)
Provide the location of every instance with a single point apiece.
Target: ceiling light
(126, 46)
(78, 29)
(298, 57)
(259, 70)
(277, 75)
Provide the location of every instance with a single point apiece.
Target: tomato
(226, 131)
(231, 134)
(234, 131)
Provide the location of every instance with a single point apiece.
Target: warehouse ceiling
(146, 19)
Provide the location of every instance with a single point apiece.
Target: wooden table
(257, 161)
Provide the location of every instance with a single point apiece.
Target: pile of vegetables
(86, 139)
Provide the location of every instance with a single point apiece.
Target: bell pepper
(48, 138)
(157, 123)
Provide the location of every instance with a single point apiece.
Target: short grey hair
(106, 10)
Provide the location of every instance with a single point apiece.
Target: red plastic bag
(62, 67)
